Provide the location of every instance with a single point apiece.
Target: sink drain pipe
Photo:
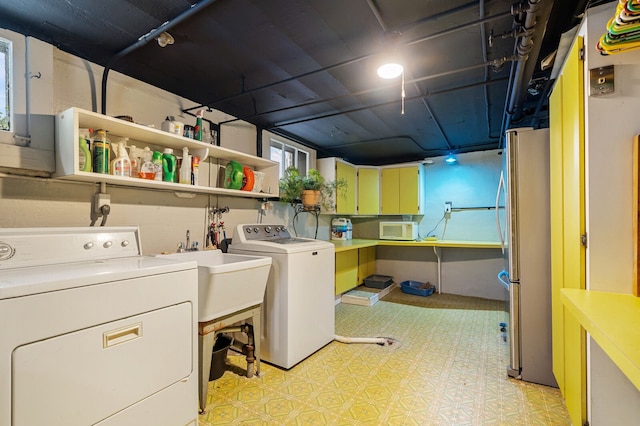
(382, 341)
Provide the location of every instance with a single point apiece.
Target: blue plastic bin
(417, 288)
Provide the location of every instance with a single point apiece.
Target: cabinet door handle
(121, 335)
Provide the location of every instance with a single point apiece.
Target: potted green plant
(312, 186)
(310, 190)
(291, 186)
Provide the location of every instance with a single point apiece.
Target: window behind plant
(5, 83)
(289, 156)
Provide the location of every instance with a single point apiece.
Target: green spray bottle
(198, 129)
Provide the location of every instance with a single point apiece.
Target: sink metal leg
(249, 349)
(205, 351)
(255, 320)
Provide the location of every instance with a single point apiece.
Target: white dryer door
(81, 378)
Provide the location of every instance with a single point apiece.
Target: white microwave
(404, 231)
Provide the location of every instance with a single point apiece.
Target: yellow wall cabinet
(334, 169)
(368, 192)
(568, 267)
(402, 190)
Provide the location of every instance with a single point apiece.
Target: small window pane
(289, 158)
(5, 84)
(302, 162)
(276, 155)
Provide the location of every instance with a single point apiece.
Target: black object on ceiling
(305, 69)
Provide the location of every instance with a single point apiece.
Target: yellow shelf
(441, 243)
(612, 319)
(356, 244)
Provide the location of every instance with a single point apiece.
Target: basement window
(287, 156)
(6, 83)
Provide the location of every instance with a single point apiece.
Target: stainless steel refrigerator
(524, 229)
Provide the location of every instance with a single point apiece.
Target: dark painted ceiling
(306, 68)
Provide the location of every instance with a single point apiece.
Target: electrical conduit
(144, 39)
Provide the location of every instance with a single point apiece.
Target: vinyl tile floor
(445, 367)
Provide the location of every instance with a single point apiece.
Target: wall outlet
(99, 200)
(447, 210)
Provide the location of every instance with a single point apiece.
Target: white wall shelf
(70, 121)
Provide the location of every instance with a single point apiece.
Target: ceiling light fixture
(391, 65)
(390, 62)
(451, 159)
(390, 70)
(164, 39)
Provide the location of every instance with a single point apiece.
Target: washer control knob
(247, 230)
(124, 243)
(283, 229)
(88, 246)
(107, 244)
(267, 229)
(256, 230)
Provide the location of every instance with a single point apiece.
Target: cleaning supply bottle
(101, 150)
(198, 130)
(84, 155)
(147, 168)
(185, 168)
(135, 159)
(169, 164)
(121, 165)
(157, 165)
(167, 124)
(195, 167)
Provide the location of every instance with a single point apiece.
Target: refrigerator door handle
(501, 277)
(499, 228)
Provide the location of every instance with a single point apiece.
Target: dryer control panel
(25, 247)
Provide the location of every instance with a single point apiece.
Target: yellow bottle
(84, 156)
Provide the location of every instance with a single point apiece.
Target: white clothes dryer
(93, 332)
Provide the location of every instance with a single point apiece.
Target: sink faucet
(182, 247)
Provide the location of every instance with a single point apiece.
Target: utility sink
(227, 283)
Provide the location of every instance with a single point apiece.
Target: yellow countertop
(341, 245)
(344, 245)
(613, 320)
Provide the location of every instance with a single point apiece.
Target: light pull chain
(402, 94)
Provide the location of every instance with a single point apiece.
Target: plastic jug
(339, 229)
(169, 165)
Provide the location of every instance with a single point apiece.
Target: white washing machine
(298, 312)
(92, 332)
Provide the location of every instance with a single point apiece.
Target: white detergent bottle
(185, 167)
(121, 165)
